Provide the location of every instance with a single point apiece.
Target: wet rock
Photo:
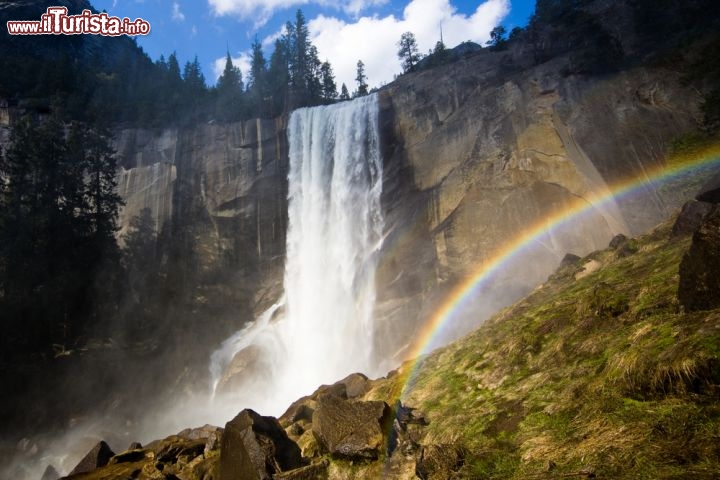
(50, 473)
(256, 447)
(406, 428)
(350, 429)
(690, 218)
(246, 360)
(699, 287)
(710, 192)
(438, 462)
(98, 457)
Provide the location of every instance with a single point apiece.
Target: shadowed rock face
(98, 457)
(223, 187)
(711, 190)
(256, 447)
(699, 287)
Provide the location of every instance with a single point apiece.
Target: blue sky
(343, 30)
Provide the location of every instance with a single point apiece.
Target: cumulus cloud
(177, 15)
(242, 62)
(374, 39)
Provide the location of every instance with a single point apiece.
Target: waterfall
(322, 328)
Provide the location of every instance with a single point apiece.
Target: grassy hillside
(603, 375)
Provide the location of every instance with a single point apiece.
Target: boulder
(350, 429)
(617, 241)
(710, 192)
(204, 432)
(568, 260)
(256, 447)
(98, 457)
(356, 385)
(623, 245)
(50, 473)
(301, 410)
(699, 286)
(690, 217)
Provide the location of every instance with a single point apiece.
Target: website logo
(56, 21)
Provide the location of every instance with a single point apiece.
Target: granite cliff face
(504, 144)
(468, 167)
(220, 188)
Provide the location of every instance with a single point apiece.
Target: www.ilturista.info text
(56, 21)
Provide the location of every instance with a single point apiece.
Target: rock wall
(503, 145)
(222, 188)
(469, 168)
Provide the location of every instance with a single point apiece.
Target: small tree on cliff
(229, 92)
(408, 51)
(497, 38)
(361, 80)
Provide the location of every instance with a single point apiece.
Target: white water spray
(334, 235)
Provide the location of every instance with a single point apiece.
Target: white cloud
(177, 15)
(374, 40)
(261, 10)
(242, 62)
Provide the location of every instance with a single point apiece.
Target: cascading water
(334, 234)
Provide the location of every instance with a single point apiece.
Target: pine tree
(344, 94)
(329, 87)
(361, 80)
(408, 51)
(229, 105)
(279, 75)
(194, 89)
(258, 81)
(57, 228)
(142, 264)
(497, 38)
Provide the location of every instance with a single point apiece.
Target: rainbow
(443, 316)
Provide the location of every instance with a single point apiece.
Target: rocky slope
(602, 372)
